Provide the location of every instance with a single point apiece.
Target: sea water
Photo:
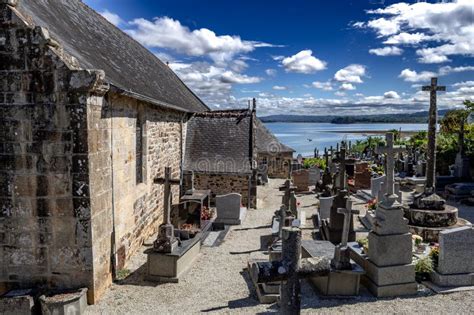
(305, 137)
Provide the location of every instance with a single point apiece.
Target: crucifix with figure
(390, 150)
(432, 122)
(166, 241)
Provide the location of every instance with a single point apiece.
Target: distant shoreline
(372, 132)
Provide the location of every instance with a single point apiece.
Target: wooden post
(290, 290)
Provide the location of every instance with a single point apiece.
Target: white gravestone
(229, 210)
(376, 185)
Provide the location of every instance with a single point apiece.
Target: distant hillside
(414, 118)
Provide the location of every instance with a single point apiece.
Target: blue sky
(308, 57)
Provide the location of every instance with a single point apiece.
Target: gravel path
(217, 282)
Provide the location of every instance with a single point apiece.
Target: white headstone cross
(432, 122)
(390, 150)
(347, 212)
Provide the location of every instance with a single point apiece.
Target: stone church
(89, 118)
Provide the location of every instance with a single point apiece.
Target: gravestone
(376, 185)
(362, 176)
(456, 258)
(390, 269)
(229, 209)
(314, 175)
(325, 204)
(301, 180)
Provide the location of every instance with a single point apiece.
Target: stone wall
(221, 184)
(68, 166)
(45, 217)
(278, 164)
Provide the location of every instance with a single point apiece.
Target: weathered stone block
(456, 251)
(390, 275)
(389, 250)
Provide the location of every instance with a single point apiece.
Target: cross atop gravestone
(391, 151)
(326, 157)
(287, 188)
(432, 122)
(343, 160)
(166, 242)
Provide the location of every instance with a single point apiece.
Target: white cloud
(165, 32)
(111, 17)
(347, 87)
(386, 51)
(303, 62)
(406, 39)
(463, 84)
(391, 95)
(232, 77)
(448, 69)
(278, 58)
(352, 74)
(447, 25)
(326, 86)
(271, 72)
(413, 76)
(279, 88)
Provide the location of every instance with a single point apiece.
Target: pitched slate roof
(267, 142)
(97, 44)
(219, 142)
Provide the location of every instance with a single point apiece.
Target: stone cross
(342, 168)
(166, 242)
(432, 122)
(347, 212)
(326, 157)
(390, 150)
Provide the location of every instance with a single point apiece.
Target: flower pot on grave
(68, 302)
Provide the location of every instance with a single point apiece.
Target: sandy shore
(218, 284)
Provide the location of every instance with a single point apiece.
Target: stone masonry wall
(45, 218)
(221, 184)
(278, 164)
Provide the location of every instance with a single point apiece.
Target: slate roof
(267, 142)
(97, 44)
(219, 142)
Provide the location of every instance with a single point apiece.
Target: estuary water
(305, 137)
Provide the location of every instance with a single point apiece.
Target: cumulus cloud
(165, 32)
(303, 62)
(447, 26)
(407, 39)
(326, 86)
(279, 88)
(111, 17)
(347, 87)
(271, 72)
(413, 76)
(352, 74)
(386, 51)
(391, 95)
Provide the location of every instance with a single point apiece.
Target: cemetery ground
(219, 283)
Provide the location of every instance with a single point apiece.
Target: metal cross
(347, 212)
(390, 150)
(167, 181)
(432, 122)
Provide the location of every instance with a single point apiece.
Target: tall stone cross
(347, 212)
(166, 242)
(391, 151)
(432, 122)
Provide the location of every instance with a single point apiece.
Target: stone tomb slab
(389, 250)
(456, 251)
(169, 267)
(389, 275)
(17, 302)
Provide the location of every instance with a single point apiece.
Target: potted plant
(423, 268)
